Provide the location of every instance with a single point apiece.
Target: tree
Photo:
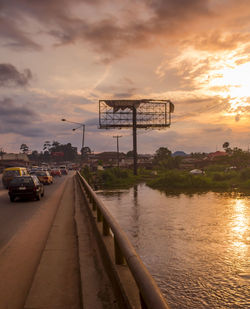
(24, 148)
(2, 151)
(55, 144)
(162, 153)
(198, 155)
(46, 146)
(69, 152)
(226, 147)
(130, 154)
(163, 159)
(239, 158)
(34, 156)
(85, 151)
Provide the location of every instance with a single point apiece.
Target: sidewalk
(70, 273)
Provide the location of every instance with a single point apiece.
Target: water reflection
(240, 226)
(195, 246)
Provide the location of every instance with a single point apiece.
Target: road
(42, 245)
(24, 230)
(14, 215)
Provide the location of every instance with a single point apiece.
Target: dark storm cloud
(10, 76)
(167, 19)
(18, 119)
(13, 37)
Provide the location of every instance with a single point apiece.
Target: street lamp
(81, 125)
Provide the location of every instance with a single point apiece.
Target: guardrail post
(143, 304)
(105, 228)
(94, 205)
(99, 215)
(119, 258)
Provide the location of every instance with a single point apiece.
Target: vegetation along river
(196, 246)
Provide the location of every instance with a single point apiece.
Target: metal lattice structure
(142, 114)
(149, 113)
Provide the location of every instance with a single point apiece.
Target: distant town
(56, 153)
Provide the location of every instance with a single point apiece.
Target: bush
(216, 168)
(245, 174)
(246, 185)
(115, 177)
(223, 176)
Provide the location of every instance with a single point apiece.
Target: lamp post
(81, 125)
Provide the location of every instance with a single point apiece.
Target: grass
(211, 180)
(214, 179)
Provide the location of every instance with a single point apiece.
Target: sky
(58, 58)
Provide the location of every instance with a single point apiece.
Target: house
(189, 163)
(216, 155)
(14, 159)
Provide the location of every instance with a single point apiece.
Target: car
(11, 172)
(43, 176)
(64, 170)
(26, 187)
(56, 172)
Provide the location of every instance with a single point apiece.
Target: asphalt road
(13, 216)
(24, 230)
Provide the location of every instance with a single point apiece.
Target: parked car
(56, 172)
(26, 187)
(11, 172)
(43, 176)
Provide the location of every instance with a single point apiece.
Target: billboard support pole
(135, 114)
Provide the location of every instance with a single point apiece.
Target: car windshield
(11, 173)
(41, 173)
(22, 180)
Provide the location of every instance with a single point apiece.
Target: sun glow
(232, 81)
(240, 225)
(226, 75)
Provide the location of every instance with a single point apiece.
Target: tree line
(52, 151)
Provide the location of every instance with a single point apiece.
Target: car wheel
(42, 194)
(12, 199)
(38, 197)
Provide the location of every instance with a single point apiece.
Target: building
(13, 159)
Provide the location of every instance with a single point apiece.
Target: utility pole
(117, 143)
(134, 139)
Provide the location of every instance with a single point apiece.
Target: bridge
(67, 251)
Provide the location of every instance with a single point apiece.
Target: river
(196, 246)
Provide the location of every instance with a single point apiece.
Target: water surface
(195, 246)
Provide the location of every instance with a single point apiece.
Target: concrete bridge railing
(123, 262)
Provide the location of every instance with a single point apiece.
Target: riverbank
(115, 178)
(171, 180)
(225, 180)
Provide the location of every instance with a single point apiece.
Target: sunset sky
(59, 57)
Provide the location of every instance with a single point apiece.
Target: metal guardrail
(150, 294)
